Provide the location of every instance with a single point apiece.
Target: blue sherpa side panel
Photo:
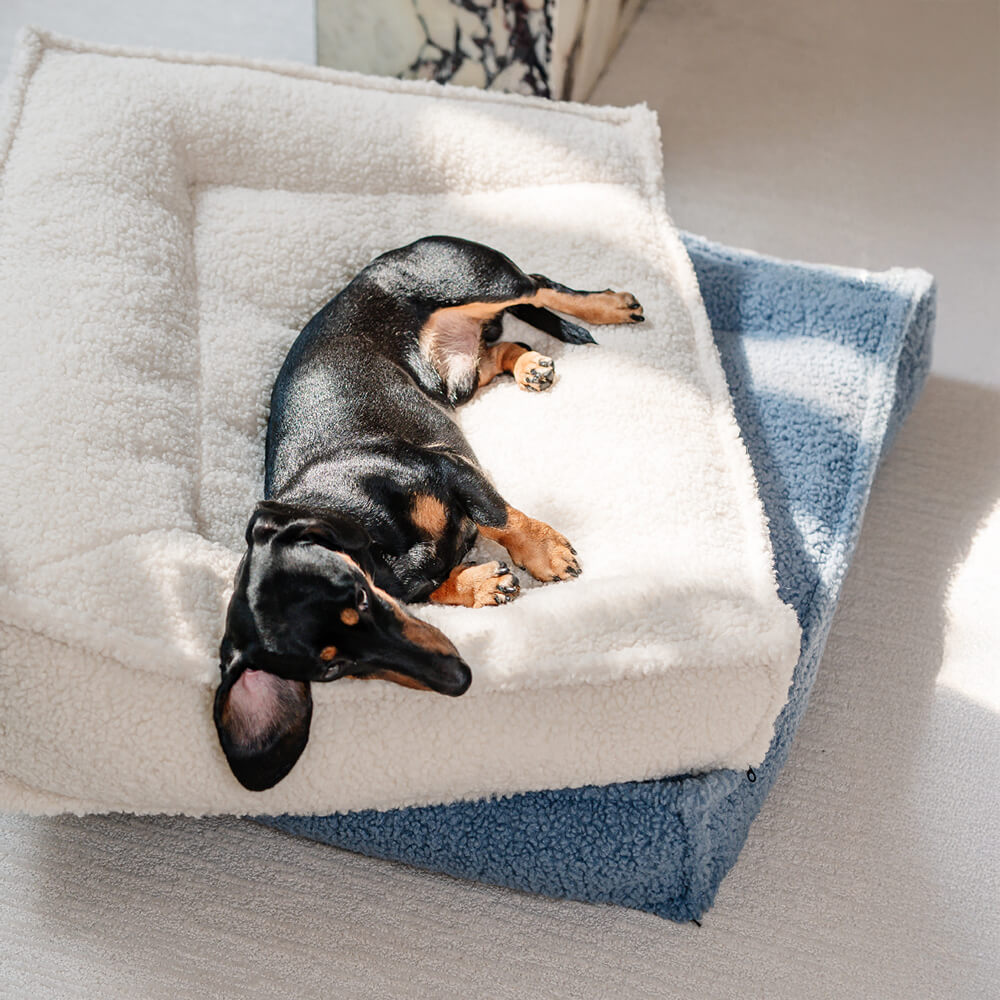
(823, 364)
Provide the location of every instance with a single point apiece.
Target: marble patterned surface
(498, 44)
(548, 48)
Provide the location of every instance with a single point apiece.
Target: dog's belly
(450, 342)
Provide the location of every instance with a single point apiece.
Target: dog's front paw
(545, 554)
(534, 371)
(562, 561)
(492, 583)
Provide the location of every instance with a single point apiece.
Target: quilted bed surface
(168, 225)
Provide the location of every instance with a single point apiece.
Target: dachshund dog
(373, 496)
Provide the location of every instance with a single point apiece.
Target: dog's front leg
(535, 546)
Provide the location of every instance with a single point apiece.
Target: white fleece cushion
(168, 225)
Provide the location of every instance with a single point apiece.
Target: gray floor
(854, 132)
(861, 132)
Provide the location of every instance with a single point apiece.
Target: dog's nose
(454, 676)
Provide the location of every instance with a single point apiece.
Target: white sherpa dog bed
(168, 225)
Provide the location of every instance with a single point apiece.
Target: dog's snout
(455, 677)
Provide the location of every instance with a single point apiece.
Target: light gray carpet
(872, 871)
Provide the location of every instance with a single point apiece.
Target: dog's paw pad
(534, 371)
(627, 308)
(495, 585)
(616, 307)
(548, 556)
(563, 561)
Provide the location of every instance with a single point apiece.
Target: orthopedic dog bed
(168, 225)
(823, 364)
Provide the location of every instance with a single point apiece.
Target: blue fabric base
(823, 365)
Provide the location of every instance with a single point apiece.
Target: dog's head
(305, 609)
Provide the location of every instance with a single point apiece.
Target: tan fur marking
(428, 637)
(497, 359)
(350, 616)
(595, 307)
(536, 546)
(429, 515)
(476, 586)
(396, 678)
(480, 311)
(450, 338)
(413, 628)
(328, 654)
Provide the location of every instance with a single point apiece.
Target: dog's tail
(552, 324)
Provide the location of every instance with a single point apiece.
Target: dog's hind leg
(605, 306)
(532, 371)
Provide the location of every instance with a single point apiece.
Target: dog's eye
(362, 601)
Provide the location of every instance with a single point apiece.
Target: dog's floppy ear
(263, 723)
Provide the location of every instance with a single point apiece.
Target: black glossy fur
(360, 425)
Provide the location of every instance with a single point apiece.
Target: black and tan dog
(373, 494)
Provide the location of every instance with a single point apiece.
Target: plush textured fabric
(168, 225)
(823, 365)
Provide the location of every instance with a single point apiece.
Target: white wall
(273, 29)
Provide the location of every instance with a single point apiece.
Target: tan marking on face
(427, 637)
(418, 632)
(539, 548)
(429, 514)
(396, 678)
(349, 616)
(328, 653)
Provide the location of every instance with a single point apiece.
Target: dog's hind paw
(623, 307)
(534, 371)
